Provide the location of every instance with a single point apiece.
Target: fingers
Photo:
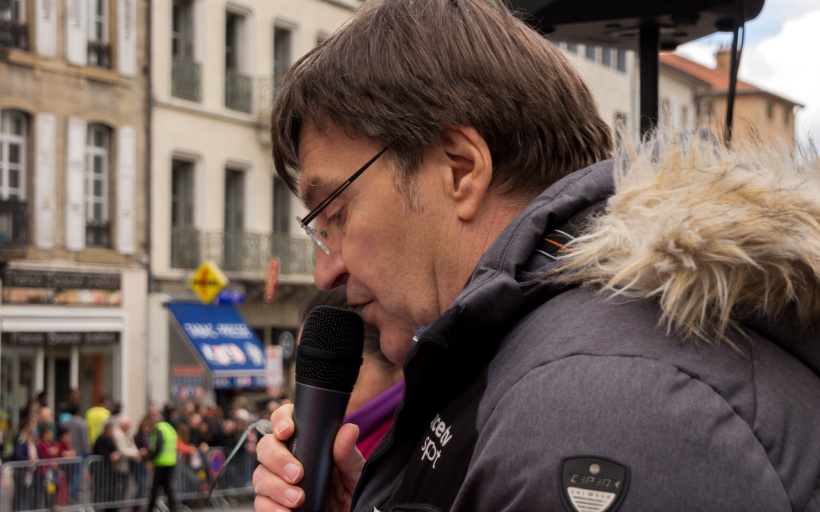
(282, 422)
(277, 494)
(275, 478)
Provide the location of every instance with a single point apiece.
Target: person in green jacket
(163, 453)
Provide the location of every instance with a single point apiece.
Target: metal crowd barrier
(75, 484)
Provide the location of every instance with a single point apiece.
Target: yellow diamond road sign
(207, 281)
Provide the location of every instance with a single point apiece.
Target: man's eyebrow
(315, 189)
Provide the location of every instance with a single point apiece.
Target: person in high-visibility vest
(163, 453)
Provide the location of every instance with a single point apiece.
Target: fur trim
(713, 235)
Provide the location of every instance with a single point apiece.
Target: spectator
(143, 441)
(96, 417)
(26, 482)
(71, 398)
(47, 448)
(104, 484)
(64, 446)
(78, 429)
(130, 455)
(46, 421)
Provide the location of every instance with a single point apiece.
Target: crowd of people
(126, 448)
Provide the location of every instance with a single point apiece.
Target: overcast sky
(780, 54)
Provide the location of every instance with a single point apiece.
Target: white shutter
(46, 28)
(44, 194)
(75, 185)
(126, 167)
(127, 37)
(76, 34)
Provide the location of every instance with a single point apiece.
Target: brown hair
(400, 72)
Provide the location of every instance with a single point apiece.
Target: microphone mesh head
(339, 332)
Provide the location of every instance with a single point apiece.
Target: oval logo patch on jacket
(593, 484)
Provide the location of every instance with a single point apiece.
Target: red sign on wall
(271, 280)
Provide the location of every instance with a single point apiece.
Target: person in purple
(379, 387)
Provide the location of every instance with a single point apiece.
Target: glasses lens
(312, 233)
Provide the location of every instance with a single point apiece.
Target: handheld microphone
(327, 365)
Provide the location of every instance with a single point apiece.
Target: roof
(717, 79)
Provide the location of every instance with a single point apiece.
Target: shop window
(97, 172)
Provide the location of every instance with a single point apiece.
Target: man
(123, 468)
(78, 432)
(694, 388)
(97, 416)
(105, 481)
(163, 453)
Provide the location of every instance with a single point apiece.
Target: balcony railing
(13, 34)
(238, 91)
(13, 224)
(97, 234)
(99, 54)
(242, 251)
(186, 77)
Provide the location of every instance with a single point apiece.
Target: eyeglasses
(322, 235)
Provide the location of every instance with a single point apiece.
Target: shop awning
(225, 343)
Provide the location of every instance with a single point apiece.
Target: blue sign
(230, 296)
(239, 382)
(226, 343)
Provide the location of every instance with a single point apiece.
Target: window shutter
(44, 194)
(126, 166)
(127, 37)
(76, 36)
(46, 28)
(75, 185)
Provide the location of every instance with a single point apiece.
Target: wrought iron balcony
(13, 224)
(186, 78)
(99, 54)
(97, 234)
(13, 34)
(242, 251)
(238, 91)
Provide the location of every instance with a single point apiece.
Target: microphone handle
(317, 415)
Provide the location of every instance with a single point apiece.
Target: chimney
(724, 59)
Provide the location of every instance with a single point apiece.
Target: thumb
(348, 458)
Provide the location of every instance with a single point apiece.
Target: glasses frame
(305, 223)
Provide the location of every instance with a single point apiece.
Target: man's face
(385, 254)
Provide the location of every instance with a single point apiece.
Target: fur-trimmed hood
(719, 238)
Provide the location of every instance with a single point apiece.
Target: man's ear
(468, 171)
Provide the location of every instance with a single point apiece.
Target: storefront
(214, 354)
(59, 330)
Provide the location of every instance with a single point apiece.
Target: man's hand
(275, 479)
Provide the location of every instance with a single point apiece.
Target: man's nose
(330, 270)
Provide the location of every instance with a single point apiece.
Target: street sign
(207, 281)
(271, 280)
(230, 296)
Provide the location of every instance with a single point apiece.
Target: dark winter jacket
(688, 384)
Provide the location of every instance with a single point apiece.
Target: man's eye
(336, 217)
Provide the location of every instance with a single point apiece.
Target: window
(97, 160)
(234, 219)
(99, 50)
(232, 28)
(621, 65)
(238, 86)
(590, 52)
(684, 117)
(282, 38)
(186, 74)
(13, 20)
(13, 150)
(787, 115)
(770, 110)
(184, 237)
(572, 47)
(606, 57)
(321, 36)
(281, 207)
(182, 193)
(182, 29)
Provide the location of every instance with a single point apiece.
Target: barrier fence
(94, 483)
